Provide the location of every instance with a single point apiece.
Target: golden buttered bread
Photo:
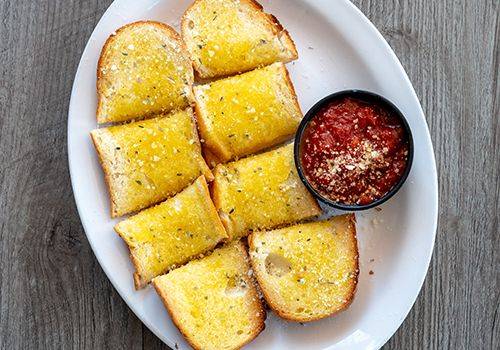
(262, 191)
(172, 233)
(144, 69)
(213, 301)
(225, 37)
(309, 271)
(148, 161)
(247, 113)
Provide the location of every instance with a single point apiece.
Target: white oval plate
(339, 49)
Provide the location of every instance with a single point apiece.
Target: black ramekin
(369, 97)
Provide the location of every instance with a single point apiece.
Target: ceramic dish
(339, 49)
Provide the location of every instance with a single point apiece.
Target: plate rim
(428, 140)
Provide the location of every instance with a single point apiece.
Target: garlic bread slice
(148, 161)
(213, 301)
(261, 192)
(309, 271)
(225, 37)
(172, 233)
(244, 114)
(144, 69)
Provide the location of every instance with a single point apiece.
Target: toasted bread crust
(257, 304)
(107, 173)
(213, 212)
(255, 297)
(273, 22)
(215, 148)
(139, 282)
(168, 305)
(184, 29)
(215, 194)
(100, 64)
(210, 158)
(205, 168)
(285, 313)
(292, 89)
(289, 43)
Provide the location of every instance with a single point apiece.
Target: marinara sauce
(353, 152)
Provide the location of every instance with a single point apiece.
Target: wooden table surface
(54, 294)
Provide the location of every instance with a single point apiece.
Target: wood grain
(53, 293)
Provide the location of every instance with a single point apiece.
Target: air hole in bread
(277, 265)
(236, 286)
